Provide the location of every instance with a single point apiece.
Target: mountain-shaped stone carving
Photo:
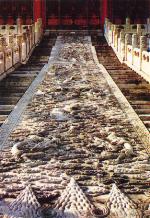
(120, 205)
(25, 206)
(74, 204)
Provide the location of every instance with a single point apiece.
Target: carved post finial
(127, 21)
(139, 30)
(128, 26)
(19, 23)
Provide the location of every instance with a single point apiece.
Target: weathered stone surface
(95, 143)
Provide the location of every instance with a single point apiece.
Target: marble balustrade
(130, 43)
(16, 44)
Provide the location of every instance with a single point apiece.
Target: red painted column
(104, 11)
(37, 9)
(110, 10)
(43, 12)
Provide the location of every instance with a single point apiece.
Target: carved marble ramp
(74, 128)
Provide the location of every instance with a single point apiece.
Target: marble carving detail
(120, 205)
(25, 206)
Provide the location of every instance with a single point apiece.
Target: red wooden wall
(10, 10)
(137, 10)
(76, 14)
(80, 14)
(39, 10)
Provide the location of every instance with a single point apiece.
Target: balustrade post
(128, 24)
(11, 40)
(134, 44)
(122, 44)
(116, 38)
(40, 26)
(28, 40)
(7, 33)
(33, 33)
(31, 36)
(113, 34)
(24, 46)
(143, 47)
(2, 44)
(148, 25)
(139, 30)
(134, 41)
(2, 55)
(3, 48)
(19, 43)
(36, 32)
(106, 27)
(128, 41)
(109, 33)
(19, 25)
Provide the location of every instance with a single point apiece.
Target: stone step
(143, 111)
(6, 109)
(10, 100)
(3, 118)
(145, 117)
(13, 87)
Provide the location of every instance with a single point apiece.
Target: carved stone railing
(130, 43)
(17, 43)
